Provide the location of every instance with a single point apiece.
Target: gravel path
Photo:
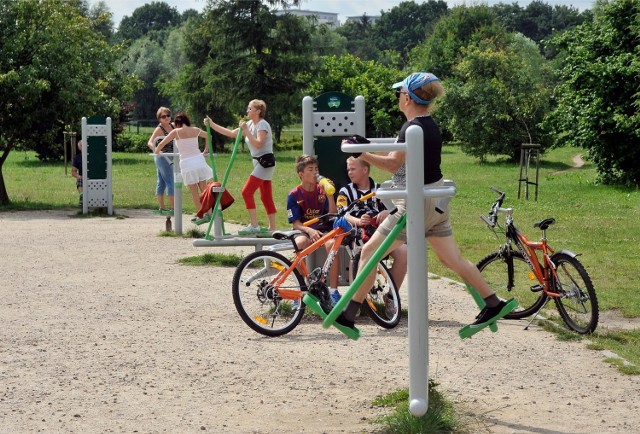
(102, 331)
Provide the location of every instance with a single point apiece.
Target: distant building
(322, 17)
(372, 18)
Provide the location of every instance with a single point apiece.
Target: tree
(442, 50)
(101, 19)
(238, 51)
(598, 98)
(359, 35)
(151, 16)
(54, 69)
(407, 25)
(353, 76)
(145, 59)
(538, 20)
(497, 97)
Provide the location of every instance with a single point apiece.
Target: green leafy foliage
(597, 99)
(54, 69)
(406, 25)
(152, 16)
(442, 49)
(497, 97)
(353, 76)
(240, 50)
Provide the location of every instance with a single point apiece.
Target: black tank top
(168, 148)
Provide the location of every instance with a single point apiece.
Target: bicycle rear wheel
(258, 302)
(383, 301)
(577, 304)
(521, 285)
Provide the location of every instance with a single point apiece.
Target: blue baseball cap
(416, 81)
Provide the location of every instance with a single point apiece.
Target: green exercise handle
(216, 207)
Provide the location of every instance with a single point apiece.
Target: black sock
(492, 300)
(351, 311)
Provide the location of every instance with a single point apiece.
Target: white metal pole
(417, 279)
(417, 275)
(307, 126)
(177, 194)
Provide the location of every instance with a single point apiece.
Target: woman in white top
(258, 138)
(193, 166)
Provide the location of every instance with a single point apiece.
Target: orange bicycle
(268, 288)
(516, 271)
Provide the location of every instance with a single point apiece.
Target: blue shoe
(335, 297)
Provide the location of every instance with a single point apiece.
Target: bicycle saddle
(283, 235)
(544, 224)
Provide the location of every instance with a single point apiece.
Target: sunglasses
(165, 116)
(400, 92)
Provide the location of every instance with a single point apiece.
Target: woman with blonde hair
(259, 139)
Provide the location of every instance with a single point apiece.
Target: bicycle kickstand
(538, 312)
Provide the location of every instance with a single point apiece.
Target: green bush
(131, 142)
(288, 144)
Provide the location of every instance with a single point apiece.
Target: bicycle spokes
(569, 289)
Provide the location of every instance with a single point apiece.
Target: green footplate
(481, 304)
(312, 302)
(470, 329)
(203, 220)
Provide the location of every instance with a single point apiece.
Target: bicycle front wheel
(510, 277)
(383, 301)
(259, 302)
(577, 303)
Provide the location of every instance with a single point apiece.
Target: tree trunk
(4, 197)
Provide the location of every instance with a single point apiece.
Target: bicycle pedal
(537, 288)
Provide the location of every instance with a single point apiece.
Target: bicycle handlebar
(496, 208)
(341, 212)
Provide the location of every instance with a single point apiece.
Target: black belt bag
(266, 160)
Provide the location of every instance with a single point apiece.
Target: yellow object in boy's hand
(326, 183)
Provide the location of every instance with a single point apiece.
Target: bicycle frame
(544, 271)
(299, 263)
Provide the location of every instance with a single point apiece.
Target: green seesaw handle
(368, 268)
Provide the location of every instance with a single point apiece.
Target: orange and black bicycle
(516, 271)
(268, 288)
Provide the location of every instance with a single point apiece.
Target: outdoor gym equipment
(417, 254)
(220, 238)
(97, 191)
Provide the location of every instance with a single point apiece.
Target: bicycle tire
(577, 304)
(375, 304)
(258, 303)
(495, 270)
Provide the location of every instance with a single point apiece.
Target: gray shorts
(436, 224)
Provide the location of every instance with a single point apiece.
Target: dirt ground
(102, 331)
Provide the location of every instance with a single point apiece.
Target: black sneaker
(345, 322)
(492, 314)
